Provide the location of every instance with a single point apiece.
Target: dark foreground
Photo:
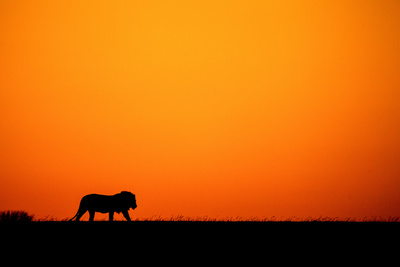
(190, 243)
(199, 229)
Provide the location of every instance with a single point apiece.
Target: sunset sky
(202, 108)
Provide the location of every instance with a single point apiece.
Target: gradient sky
(202, 108)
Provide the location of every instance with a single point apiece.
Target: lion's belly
(100, 203)
(102, 210)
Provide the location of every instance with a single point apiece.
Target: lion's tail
(74, 216)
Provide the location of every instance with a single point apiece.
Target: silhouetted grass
(15, 216)
(23, 216)
(182, 218)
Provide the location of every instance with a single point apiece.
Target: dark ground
(198, 229)
(211, 243)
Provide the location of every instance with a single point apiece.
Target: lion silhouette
(120, 202)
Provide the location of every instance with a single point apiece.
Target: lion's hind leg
(111, 216)
(80, 213)
(91, 215)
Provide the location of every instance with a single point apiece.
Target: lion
(120, 202)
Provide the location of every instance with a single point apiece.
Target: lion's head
(129, 199)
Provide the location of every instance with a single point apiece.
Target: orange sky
(218, 108)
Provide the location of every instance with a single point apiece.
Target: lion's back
(101, 203)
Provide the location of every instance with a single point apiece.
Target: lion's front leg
(111, 216)
(126, 215)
